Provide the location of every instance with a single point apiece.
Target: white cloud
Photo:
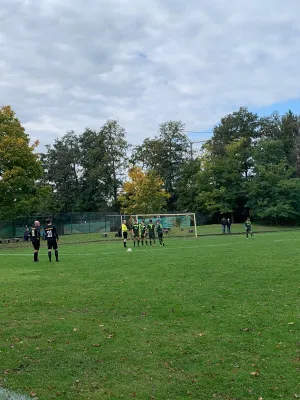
(66, 65)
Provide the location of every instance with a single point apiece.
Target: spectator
(224, 224)
(26, 235)
(228, 225)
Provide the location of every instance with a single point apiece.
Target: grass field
(207, 318)
(203, 230)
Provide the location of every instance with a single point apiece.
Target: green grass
(208, 318)
(202, 230)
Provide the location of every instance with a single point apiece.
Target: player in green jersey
(159, 230)
(143, 232)
(136, 232)
(151, 232)
(248, 227)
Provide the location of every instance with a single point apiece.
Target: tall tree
(143, 193)
(274, 192)
(285, 129)
(19, 164)
(290, 129)
(166, 154)
(62, 171)
(227, 164)
(243, 126)
(220, 183)
(187, 188)
(103, 158)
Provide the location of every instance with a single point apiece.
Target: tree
(143, 193)
(166, 154)
(285, 129)
(19, 165)
(240, 126)
(274, 192)
(62, 171)
(220, 183)
(187, 187)
(103, 160)
(42, 201)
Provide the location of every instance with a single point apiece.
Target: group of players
(143, 233)
(49, 234)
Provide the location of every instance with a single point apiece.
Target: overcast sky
(70, 64)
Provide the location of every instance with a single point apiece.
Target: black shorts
(151, 235)
(125, 234)
(52, 244)
(160, 234)
(36, 244)
(136, 235)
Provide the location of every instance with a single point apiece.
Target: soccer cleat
(57, 260)
(163, 244)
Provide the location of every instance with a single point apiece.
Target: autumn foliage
(19, 165)
(143, 193)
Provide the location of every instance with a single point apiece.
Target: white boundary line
(118, 252)
(96, 253)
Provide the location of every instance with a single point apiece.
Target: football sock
(56, 254)
(49, 255)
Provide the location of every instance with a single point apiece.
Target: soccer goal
(174, 225)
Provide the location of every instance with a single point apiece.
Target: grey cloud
(71, 64)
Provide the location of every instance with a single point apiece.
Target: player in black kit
(52, 237)
(35, 237)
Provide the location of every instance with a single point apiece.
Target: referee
(124, 232)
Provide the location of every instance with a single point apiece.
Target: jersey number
(49, 234)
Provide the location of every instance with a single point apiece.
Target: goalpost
(174, 225)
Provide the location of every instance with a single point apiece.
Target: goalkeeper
(248, 227)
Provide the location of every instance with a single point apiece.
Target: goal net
(174, 225)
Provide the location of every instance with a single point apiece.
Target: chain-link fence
(66, 224)
(105, 224)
